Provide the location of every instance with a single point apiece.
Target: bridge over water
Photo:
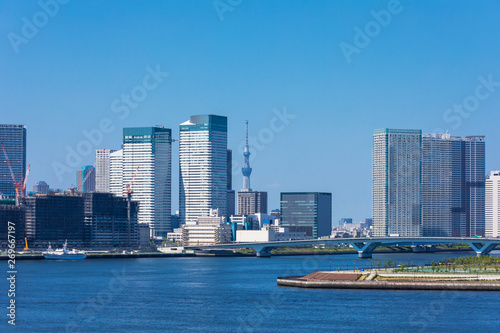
(364, 246)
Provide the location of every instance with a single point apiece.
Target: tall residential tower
(493, 205)
(150, 149)
(203, 167)
(397, 182)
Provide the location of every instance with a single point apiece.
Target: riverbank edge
(299, 282)
(211, 255)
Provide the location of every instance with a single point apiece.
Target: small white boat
(64, 253)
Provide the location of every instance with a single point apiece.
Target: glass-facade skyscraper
(453, 185)
(150, 149)
(309, 212)
(397, 182)
(203, 167)
(13, 138)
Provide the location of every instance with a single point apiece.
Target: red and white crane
(21, 185)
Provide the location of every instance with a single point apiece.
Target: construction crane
(129, 192)
(26, 248)
(21, 185)
(79, 187)
(25, 179)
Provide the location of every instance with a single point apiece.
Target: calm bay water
(230, 295)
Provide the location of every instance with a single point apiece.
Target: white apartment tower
(116, 172)
(203, 167)
(493, 204)
(150, 149)
(102, 168)
(397, 182)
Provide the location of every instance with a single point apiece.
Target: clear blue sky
(264, 56)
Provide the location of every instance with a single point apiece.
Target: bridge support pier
(264, 252)
(482, 249)
(365, 249)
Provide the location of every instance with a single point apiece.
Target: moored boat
(64, 253)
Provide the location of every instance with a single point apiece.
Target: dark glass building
(106, 221)
(309, 212)
(55, 218)
(13, 138)
(9, 212)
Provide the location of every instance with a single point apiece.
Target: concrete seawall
(299, 282)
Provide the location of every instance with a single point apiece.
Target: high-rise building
(55, 218)
(452, 185)
(252, 202)
(493, 205)
(231, 194)
(41, 187)
(309, 212)
(475, 171)
(107, 223)
(13, 138)
(150, 149)
(85, 178)
(10, 212)
(102, 169)
(397, 182)
(116, 172)
(203, 167)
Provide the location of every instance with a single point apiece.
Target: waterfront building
(493, 204)
(175, 236)
(203, 167)
(102, 170)
(116, 172)
(10, 212)
(276, 214)
(252, 202)
(150, 149)
(475, 171)
(231, 202)
(13, 138)
(307, 211)
(206, 230)
(175, 221)
(231, 194)
(41, 187)
(85, 178)
(453, 185)
(55, 218)
(106, 221)
(269, 233)
(397, 182)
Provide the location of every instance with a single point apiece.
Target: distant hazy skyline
(339, 69)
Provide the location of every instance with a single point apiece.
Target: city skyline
(291, 78)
